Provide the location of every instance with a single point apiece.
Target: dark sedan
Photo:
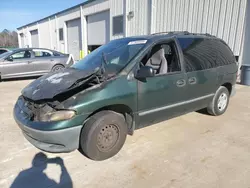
(25, 62)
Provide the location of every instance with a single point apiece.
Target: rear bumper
(54, 141)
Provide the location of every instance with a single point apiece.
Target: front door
(162, 96)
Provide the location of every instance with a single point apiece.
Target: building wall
(246, 45)
(222, 18)
(53, 33)
(139, 24)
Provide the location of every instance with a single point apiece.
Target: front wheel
(220, 102)
(103, 135)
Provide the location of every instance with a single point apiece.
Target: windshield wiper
(104, 58)
(104, 63)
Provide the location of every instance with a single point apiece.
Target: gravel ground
(195, 150)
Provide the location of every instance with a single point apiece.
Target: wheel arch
(58, 64)
(123, 109)
(229, 87)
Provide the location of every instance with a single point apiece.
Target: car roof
(178, 34)
(21, 49)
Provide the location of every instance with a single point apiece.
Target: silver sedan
(27, 62)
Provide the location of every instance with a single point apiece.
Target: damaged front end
(43, 99)
(44, 111)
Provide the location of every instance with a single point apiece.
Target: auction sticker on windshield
(137, 42)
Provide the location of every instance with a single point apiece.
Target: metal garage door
(74, 37)
(98, 28)
(34, 38)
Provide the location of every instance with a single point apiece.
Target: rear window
(57, 54)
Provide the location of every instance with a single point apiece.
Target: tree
(8, 38)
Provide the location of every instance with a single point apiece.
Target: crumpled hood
(52, 84)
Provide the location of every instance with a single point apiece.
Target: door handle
(29, 61)
(192, 80)
(181, 83)
(52, 60)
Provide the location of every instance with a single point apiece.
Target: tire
(57, 68)
(103, 135)
(220, 102)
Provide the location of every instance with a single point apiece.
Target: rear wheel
(220, 102)
(57, 68)
(103, 135)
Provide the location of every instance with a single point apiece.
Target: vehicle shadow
(35, 177)
(203, 111)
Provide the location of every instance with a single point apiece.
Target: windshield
(5, 54)
(115, 55)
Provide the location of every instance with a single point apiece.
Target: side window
(225, 55)
(199, 53)
(21, 55)
(56, 54)
(42, 53)
(163, 58)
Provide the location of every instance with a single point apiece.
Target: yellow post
(81, 54)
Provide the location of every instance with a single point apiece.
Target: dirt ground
(195, 150)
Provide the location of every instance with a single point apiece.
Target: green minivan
(125, 85)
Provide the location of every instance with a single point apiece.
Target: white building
(95, 22)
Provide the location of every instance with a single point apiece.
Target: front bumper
(54, 141)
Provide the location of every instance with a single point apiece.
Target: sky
(16, 13)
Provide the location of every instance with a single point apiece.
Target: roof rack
(172, 32)
(182, 33)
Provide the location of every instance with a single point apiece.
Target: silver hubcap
(107, 137)
(222, 102)
(58, 68)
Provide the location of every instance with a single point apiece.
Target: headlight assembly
(57, 115)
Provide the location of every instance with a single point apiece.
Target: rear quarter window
(199, 53)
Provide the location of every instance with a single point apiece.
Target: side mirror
(145, 72)
(10, 58)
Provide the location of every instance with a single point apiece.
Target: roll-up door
(34, 38)
(98, 28)
(74, 38)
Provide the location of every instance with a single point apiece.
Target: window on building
(118, 25)
(61, 34)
